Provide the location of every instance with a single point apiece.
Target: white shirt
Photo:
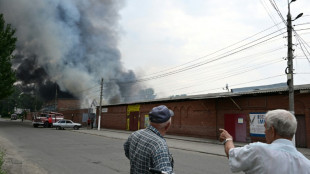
(279, 157)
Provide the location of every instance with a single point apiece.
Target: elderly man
(147, 148)
(279, 155)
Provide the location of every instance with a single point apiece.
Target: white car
(14, 117)
(62, 124)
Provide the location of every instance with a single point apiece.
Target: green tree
(7, 46)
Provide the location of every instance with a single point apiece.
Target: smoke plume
(70, 45)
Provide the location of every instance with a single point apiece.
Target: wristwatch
(227, 139)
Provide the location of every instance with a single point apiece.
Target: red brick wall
(75, 115)
(115, 118)
(68, 104)
(193, 118)
(203, 118)
(250, 104)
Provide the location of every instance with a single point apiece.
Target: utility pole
(35, 99)
(99, 119)
(56, 100)
(289, 69)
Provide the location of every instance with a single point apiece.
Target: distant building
(257, 88)
(62, 104)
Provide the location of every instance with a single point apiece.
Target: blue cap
(160, 114)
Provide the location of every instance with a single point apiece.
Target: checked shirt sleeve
(126, 147)
(162, 160)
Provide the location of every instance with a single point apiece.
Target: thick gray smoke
(71, 45)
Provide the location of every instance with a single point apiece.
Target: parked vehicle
(42, 119)
(14, 117)
(62, 124)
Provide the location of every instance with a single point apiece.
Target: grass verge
(1, 162)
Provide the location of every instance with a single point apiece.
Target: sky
(171, 47)
(203, 46)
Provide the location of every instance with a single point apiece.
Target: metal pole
(289, 71)
(99, 119)
(56, 101)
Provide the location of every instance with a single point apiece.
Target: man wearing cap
(146, 148)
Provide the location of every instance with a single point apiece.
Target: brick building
(62, 104)
(203, 115)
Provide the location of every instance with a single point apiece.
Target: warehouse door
(235, 124)
(133, 117)
(300, 136)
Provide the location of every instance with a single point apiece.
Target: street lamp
(298, 16)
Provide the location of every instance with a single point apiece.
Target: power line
(217, 51)
(274, 5)
(303, 45)
(239, 71)
(270, 15)
(224, 55)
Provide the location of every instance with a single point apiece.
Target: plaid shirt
(146, 149)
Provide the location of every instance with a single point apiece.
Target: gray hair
(161, 125)
(283, 122)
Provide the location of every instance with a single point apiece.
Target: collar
(283, 141)
(153, 129)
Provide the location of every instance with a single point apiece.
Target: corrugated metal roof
(263, 91)
(223, 94)
(252, 88)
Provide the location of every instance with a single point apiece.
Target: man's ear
(167, 126)
(274, 132)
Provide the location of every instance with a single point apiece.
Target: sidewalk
(200, 145)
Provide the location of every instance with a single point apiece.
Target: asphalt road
(47, 150)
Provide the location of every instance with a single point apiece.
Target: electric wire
(229, 53)
(303, 45)
(274, 5)
(270, 15)
(233, 74)
(229, 46)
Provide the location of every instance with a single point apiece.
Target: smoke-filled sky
(175, 47)
(69, 45)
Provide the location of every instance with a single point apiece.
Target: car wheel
(35, 125)
(75, 128)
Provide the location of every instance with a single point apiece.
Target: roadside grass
(1, 162)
